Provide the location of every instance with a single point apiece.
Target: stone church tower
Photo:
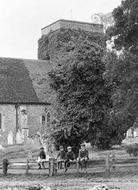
(59, 39)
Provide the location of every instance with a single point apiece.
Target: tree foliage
(125, 28)
(84, 99)
(122, 71)
(63, 42)
(97, 90)
(123, 74)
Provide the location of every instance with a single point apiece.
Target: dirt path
(69, 182)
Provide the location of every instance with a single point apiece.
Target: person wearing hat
(61, 156)
(70, 157)
(83, 157)
(41, 158)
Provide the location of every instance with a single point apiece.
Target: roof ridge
(72, 21)
(26, 59)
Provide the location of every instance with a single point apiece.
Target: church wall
(32, 119)
(35, 121)
(8, 123)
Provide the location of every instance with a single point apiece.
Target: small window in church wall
(43, 119)
(48, 117)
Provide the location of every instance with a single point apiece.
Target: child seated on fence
(41, 158)
(70, 158)
(83, 157)
(61, 156)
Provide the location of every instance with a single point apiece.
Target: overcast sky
(21, 21)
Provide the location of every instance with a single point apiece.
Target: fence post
(107, 166)
(55, 167)
(77, 162)
(51, 167)
(113, 161)
(5, 164)
(27, 167)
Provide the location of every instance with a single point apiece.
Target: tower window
(48, 117)
(43, 119)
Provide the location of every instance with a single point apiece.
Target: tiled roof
(24, 81)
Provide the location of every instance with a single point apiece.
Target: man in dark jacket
(70, 158)
(83, 157)
(41, 158)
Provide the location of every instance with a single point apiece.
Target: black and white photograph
(68, 94)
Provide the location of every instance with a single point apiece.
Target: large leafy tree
(122, 75)
(122, 72)
(84, 99)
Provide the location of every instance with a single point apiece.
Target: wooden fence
(108, 164)
(28, 165)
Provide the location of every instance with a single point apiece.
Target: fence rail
(108, 163)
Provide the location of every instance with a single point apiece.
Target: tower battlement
(73, 25)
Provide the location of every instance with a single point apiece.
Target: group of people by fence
(67, 157)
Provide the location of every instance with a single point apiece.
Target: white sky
(21, 21)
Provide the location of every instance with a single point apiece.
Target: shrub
(132, 149)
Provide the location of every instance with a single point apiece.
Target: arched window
(43, 119)
(48, 117)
